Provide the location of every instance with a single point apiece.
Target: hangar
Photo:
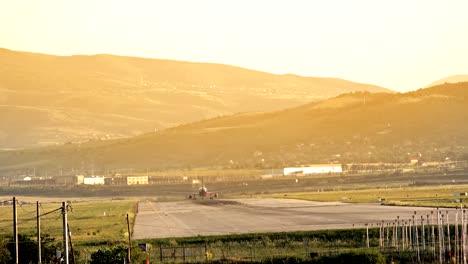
(313, 169)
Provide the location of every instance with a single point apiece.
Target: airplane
(203, 193)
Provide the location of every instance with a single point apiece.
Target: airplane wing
(212, 195)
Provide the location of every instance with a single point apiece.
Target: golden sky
(399, 44)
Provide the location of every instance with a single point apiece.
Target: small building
(313, 169)
(134, 180)
(93, 180)
(65, 180)
(79, 179)
(116, 181)
(34, 182)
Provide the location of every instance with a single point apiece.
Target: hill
(48, 99)
(450, 79)
(355, 127)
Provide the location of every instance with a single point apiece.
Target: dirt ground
(217, 217)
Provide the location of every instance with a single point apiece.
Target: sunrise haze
(401, 45)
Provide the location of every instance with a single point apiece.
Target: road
(218, 217)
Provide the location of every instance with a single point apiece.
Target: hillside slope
(355, 127)
(451, 79)
(48, 99)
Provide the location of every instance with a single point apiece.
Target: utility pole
(448, 232)
(15, 229)
(129, 257)
(71, 244)
(439, 232)
(65, 233)
(367, 235)
(463, 219)
(38, 213)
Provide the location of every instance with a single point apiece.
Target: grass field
(437, 196)
(96, 222)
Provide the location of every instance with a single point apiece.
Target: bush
(284, 260)
(354, 257)
(115, 255)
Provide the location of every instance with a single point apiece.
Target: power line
(28, 212)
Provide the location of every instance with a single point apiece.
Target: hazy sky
(398, 44)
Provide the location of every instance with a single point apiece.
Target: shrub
(354, 257)
(283, 260)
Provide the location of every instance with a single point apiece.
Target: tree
(5, 256)
(110, 256)
(27, 249)
(116, 255)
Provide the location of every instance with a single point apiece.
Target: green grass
(441, 196)
(90, 222)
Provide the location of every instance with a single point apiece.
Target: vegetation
(433, 196)
(355, 257)
(100, 226)
(115, 255)
(93, 225)
(29, 251)
(99, 229)
(101, 222)
(356, 127)
(326, 246)
(76, 98)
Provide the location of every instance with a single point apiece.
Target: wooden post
(71, 244)
(129, 253)
(416, 238)
(160, 253)
(15, 229)
(439, 235)
(388, 233)
(38, 215)
(433, 234)
(456, 236)
(463, 234)
(183, 254)
(423, 239)
(367, 235)
(397, 226)
(380, 235)
(65, 232)
(448, 232)
(411, 222)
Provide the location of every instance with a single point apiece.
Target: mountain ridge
(353, 127)
(83, 97)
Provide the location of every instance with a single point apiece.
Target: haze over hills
(47, 99)
(355, 127)
(451, 79)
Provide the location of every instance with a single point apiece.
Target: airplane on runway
(203, 193)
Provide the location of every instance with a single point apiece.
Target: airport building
(132, 180)
(93, 180)
(313, 169)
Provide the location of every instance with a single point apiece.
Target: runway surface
(217, 217)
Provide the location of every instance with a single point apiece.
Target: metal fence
(242, 252)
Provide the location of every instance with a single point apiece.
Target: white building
(93, 180)
(314, 169)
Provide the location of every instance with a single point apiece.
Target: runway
(218, 217)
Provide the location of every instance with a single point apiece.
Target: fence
(241, 252)
(429, 238)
